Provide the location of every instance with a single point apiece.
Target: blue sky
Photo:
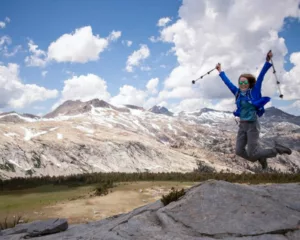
(158, 66)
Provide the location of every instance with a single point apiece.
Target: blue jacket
(254, 94)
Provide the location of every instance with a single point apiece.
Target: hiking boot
(263, 162)
(282, 149)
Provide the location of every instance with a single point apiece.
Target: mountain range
(95, 136)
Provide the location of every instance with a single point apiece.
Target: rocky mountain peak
(17, 117)
(98, 103)
(71, 107)
(160, 110)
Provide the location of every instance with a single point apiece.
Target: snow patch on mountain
(59, 136)
(30, 134)
(10, 134)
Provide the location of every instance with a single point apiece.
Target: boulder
(37, 228)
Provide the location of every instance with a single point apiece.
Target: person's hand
(269, 56)
(218, 67)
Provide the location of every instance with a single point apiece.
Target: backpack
(260, 110)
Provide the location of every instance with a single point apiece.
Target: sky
(145, 53)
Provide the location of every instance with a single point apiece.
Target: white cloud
(2, 24)
(16, 94)
(136, 57)
(238, 34)
(16, 49)
(152, 84)
(154, 39)
(44, 73)
(80, 46)
(150, 102)
(163, 104)
(178, 92)
(293, 108)
(128, 43)
(129, 95)
(227, 104)
(290, 82)
(84, 88)
(114, 35)
(38, 57)
(192, 104)
(4, 40)
(163, 21)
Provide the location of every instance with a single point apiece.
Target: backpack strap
(237, 95)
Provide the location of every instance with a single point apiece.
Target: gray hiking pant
(248, 134)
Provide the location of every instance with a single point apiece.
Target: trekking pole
(194, 81)
(277, 82)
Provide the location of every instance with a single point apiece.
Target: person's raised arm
(226, 80)
(263, 71)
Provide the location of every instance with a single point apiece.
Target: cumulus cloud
(178, 92)
(291, 81)
(163, 21)
(129, 95)
(2, 24)
(227, 104)
(84, 88)
(15, 94)
(137, 57)
(38, 57)
(152, 84)
(163, 104)
(293, 108)
(80, 46)
(238, 34)
(192, 104)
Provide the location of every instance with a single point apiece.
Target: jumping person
(250, 106)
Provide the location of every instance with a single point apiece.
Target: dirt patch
(124, 198)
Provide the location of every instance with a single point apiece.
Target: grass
(35, 198)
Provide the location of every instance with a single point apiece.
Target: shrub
(172, 196)
(203, 168)
(102, 188)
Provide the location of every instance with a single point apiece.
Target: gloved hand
(269, 56)
(218, 67)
